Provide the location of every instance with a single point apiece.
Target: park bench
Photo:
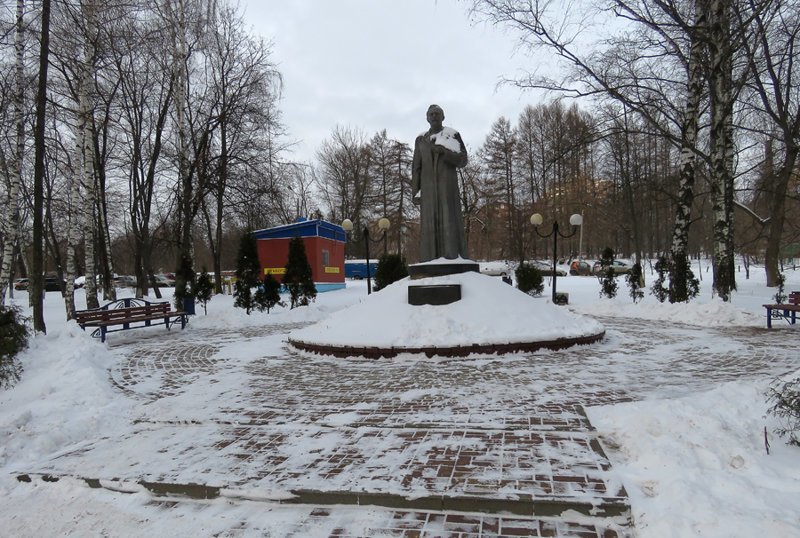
(128, 313)
(786, 311)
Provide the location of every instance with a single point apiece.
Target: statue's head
(435, 115)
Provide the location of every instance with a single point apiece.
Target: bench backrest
(794, 297)
(131, 312)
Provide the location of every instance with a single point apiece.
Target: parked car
(620, 268)
(51, 284)
(547, 268)
(496, 268)
(125, 281)
(580, 268)
(163, 281)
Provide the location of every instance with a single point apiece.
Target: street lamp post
(575, 220)
(383, 225)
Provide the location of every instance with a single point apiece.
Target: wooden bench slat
(121, 315)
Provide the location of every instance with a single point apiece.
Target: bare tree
(498, 154)
(145, 100)
(637, 67)
(389, 169)
(344, 178)
(774, 92)
(246, 86)
(11, 222)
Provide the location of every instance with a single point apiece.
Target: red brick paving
(499, 428)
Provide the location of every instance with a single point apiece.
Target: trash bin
(188, 305)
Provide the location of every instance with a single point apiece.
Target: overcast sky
(378, 64)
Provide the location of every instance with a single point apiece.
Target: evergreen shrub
(634, 280)
(683, 286)
(391, 268)
(607, 277)
(529, 279)
(785, 399)
(660, 291)
(185, 274)
(248, 269)
(268, 294)
(13, 339)
(780, 294)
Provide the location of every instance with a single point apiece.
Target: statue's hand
(436, 148)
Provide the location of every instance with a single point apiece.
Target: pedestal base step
(434, 294)
(428, 270)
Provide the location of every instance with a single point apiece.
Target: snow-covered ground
(693, 465)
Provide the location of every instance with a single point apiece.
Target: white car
(495, 268)
(546, 269)
(620, 268)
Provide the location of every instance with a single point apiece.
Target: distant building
(324, 244)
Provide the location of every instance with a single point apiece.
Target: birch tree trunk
(87, 160)
(74, 225)
(11, 227)
(721, 146)
(688, 164)
(185, 268)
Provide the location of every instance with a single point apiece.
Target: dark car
(125, 281)
(51, 284)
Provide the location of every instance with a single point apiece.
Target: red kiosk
(324, 242)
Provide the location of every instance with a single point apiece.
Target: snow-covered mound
(489, 312)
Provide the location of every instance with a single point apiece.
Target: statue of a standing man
(438, 153)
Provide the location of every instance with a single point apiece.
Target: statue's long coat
(435, 176)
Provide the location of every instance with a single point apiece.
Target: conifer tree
(608, 279)
(268, 294)
(298, 278)
(634, 279)
(659, 290)
(204, 289)
(185, 283)
(248, 270)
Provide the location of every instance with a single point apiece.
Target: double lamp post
(575, 220)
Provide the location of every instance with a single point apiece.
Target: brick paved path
(496, 446)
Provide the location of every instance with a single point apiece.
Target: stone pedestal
(434, 294)
(437, 294)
